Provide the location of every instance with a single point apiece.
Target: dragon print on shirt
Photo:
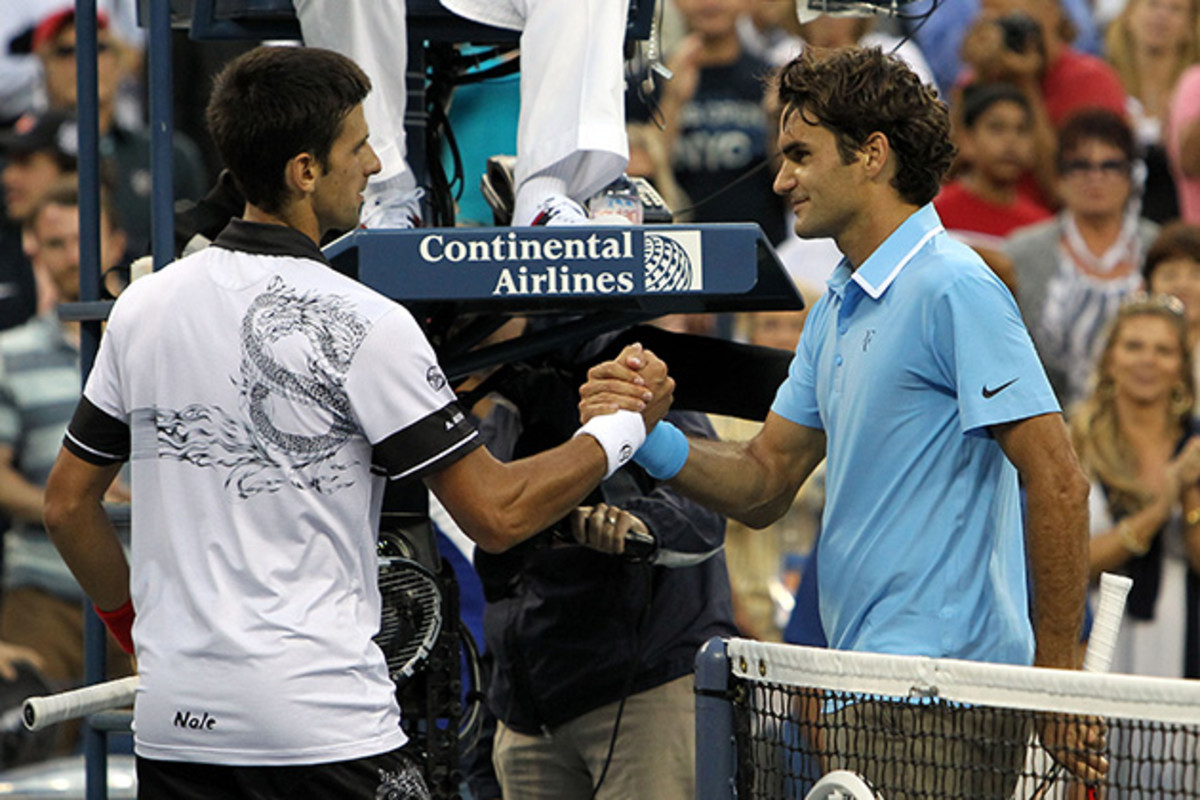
(291, 424)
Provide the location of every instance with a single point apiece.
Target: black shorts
(389, 776)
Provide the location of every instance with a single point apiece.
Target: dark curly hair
(858, 91)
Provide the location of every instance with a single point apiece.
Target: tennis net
(774, 720)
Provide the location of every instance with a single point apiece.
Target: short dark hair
(1177, 239)
(1095, 124)
(273, 103)
(65, 192)
(977, 98)
(859, 91)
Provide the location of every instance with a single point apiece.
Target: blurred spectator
(53, 42)
(37, 153)
(995, 143)
(42, 606)
(829, 32)
(648, 159)
(1150, 44)
(770, 31)
(940, 36)
(716, 125)
(21, 89)
(1173, 268)
(1074, 271)
(1028, 43)
(1134, 438)
(1183, 142)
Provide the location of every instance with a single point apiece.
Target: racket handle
(40, 712)
(1111, 609)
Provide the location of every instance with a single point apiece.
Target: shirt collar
(263, 239)
(882, 266)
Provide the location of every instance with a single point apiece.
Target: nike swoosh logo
(990, 393)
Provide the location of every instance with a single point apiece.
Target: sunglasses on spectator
(68, 50)
(1111, 166)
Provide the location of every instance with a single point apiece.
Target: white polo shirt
(263, 400)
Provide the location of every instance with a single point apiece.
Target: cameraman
(1028, 43)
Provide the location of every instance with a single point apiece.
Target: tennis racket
(1102, 646)
(411, 611)
(41, 712)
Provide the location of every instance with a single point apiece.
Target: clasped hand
(636, 380)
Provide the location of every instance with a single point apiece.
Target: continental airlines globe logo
(673, 262)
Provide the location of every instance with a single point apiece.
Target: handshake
(621, 406)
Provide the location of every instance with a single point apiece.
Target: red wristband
(119, 622)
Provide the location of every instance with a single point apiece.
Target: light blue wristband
(664, 452)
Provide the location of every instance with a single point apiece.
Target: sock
(533, 191)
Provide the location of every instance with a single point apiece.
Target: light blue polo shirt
(904, 364)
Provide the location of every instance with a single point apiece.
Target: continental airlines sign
(599, 263)
(562, 262)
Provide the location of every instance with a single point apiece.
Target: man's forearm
(723, 476)
(1057, 540)
(89, 545)
(1056, 533)
(750, 482)
(82, 532)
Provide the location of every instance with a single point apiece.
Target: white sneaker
(391, 209)
(560, 210)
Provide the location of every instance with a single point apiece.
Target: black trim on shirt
(262, 239)
(429, 445)
(97, 437)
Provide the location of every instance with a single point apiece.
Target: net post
(715, 747)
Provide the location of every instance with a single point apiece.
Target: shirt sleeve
(404, 403)
(796, 399)
(96, 437)
(985, 353)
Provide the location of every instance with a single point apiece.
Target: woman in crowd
(1173, 267)
(1075, 270)
(1150, 44)
(1134, 437)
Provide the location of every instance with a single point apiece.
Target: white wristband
(620, 434)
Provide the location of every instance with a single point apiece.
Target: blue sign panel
(555, 263)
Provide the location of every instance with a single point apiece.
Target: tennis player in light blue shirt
(918, 380)
(906, 363)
